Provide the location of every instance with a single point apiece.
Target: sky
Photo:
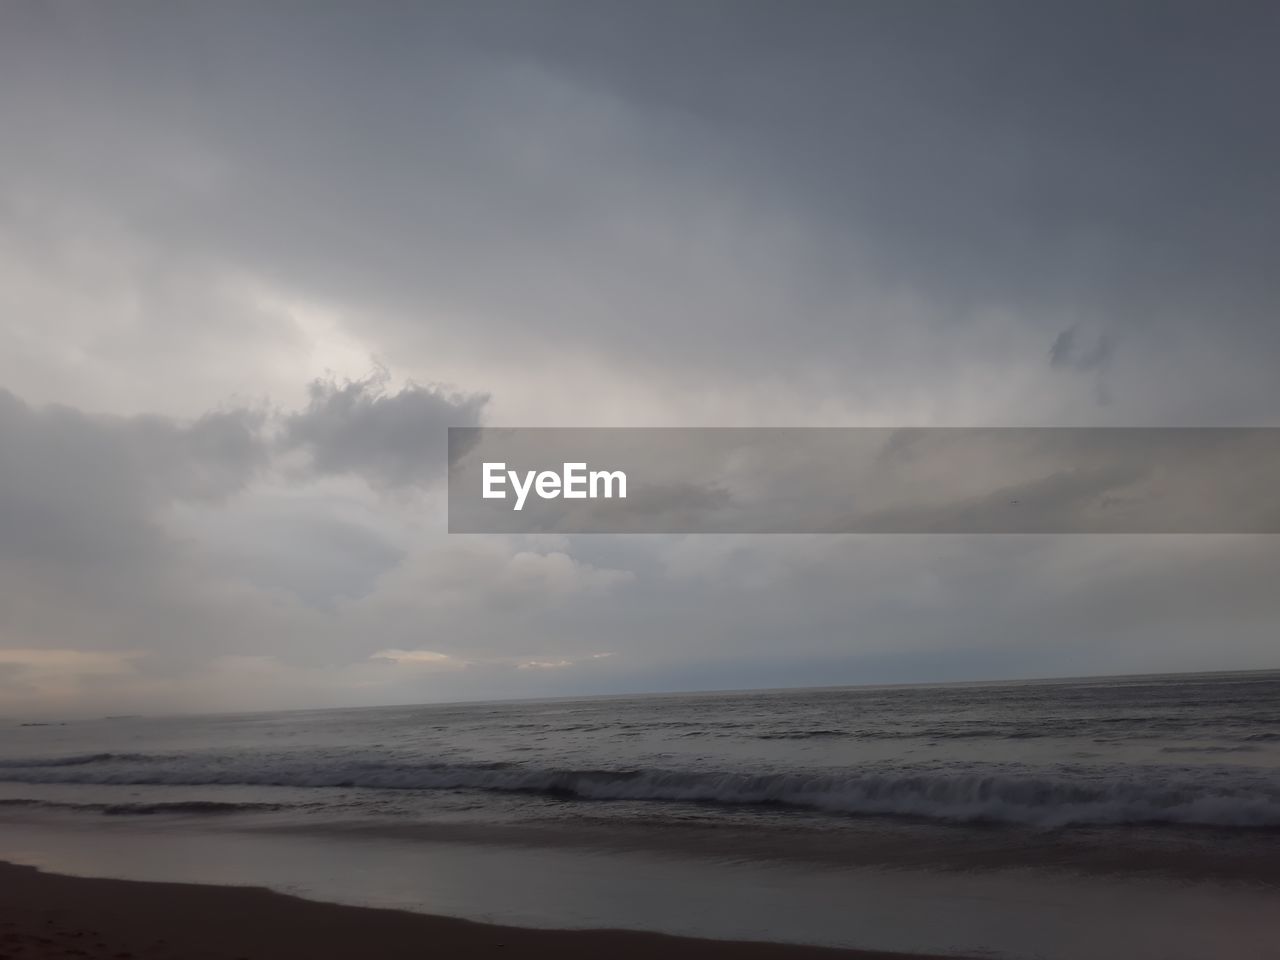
(256, 258)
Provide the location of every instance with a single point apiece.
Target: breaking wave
(143, 809)
(1157, 796)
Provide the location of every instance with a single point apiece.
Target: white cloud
(419, 658)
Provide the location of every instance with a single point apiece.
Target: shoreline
(50, 915)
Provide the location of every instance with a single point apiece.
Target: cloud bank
(216, 220)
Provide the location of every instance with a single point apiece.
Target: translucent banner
(864, 480)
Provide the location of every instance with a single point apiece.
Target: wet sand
(45, 916)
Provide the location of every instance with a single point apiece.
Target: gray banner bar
(864, 480)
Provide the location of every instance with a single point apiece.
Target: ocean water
(1145, 782)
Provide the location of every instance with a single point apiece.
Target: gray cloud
(1070, 352)
(391, 438)
(605, 213)
(88, 571)
(890, 173)
(126, 582)
(78, 486)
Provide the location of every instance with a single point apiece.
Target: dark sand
(46, 915)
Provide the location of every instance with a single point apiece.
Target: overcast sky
(255, 258)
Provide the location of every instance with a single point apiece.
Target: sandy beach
(45, 916)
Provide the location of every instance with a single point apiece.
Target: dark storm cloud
(891, 212)
(390, 438)
(610, 172)
(1044, 152)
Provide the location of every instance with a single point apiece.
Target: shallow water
(1004, 913)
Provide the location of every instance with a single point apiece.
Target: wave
(73, 760)
(1096, 796)
(143, 809)
(801, 734)
(1242, 748)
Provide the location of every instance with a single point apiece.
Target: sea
(1134, 817)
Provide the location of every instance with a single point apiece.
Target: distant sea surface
(1175, 776)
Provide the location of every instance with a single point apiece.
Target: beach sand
(45, 916)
